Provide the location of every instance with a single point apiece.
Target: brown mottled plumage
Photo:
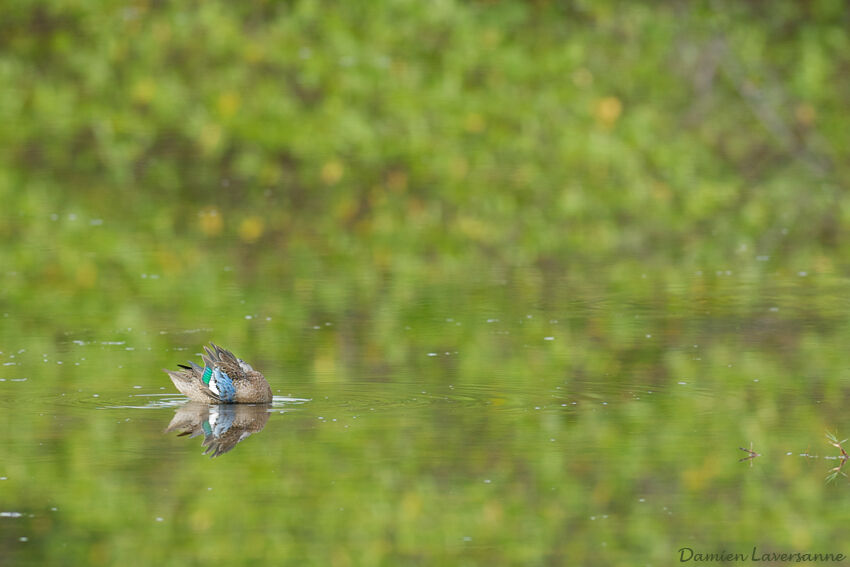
(250, 386)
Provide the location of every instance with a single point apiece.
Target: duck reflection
(223, 426)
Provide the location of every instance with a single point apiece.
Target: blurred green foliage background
(666, 170)
(389, 139)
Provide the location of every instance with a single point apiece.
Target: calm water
(465, 423)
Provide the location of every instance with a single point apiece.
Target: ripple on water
(360, 397)
(371, 396)
(363, 396)
(160, 401)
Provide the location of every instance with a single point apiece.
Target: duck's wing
(224, 359)
(188, 381)
(217, 382)
(209, 383)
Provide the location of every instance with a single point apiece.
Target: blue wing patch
(222, 386)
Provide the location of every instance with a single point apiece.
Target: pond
(457, 420)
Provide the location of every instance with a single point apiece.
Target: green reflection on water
(473, 429)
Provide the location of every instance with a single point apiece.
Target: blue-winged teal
(224, 379)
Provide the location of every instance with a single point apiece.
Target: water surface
(478, 424)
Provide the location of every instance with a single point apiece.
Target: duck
(224, 379)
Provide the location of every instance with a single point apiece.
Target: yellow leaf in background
(801, 535)
(200, 522)
(345, 208)
(253, 52)
(523, 174)
(143, 91)
(377, 196)
(211, 221)
(251, 228)
(473, 228)
(228, 104)
(210, 138)
(415, 208)
(661, 191)
(493, 513)
(86, 275)
(824, 264)
(699, 477)
(324, 366)
(161, 31)
(491, 37)
(601, 494)
(168, 261)
(805, 114)
(270, 173)
(332, 172)
(459, 167)
(411, 506)
(608, 110)
(582, 77)
(98, 554)
(397, 180)
(341, 557)
(474, 123)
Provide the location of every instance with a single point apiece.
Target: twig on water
(834, 472)
(750, 454)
